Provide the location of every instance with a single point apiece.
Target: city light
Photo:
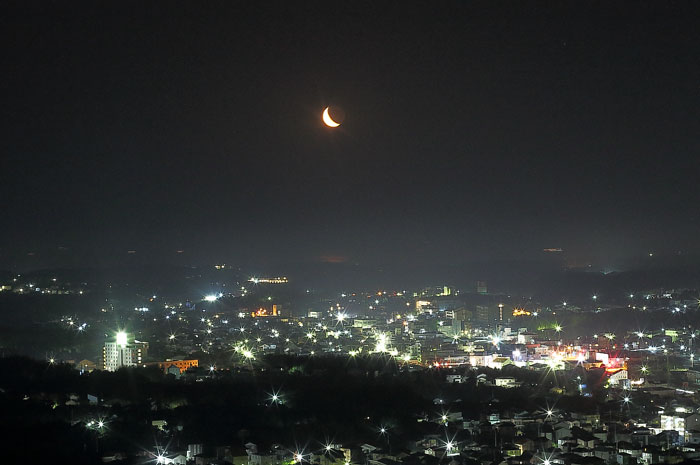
(497, 164)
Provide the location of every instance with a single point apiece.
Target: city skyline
(350, 233)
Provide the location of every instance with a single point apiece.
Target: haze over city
(475, 131)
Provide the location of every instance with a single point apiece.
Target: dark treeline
(319, 398)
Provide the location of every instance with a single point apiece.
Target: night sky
(473, 131)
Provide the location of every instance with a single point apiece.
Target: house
(506, 382)
(86, 366)
(583, 438)
(629, 448)
(510, 450)
(606, 453)
(330, 456)
(524, 444)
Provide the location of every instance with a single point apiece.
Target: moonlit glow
(328, 121)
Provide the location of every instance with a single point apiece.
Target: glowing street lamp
(122, 339)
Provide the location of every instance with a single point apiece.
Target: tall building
(122, 353)
(482, 315)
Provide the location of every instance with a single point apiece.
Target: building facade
(116, 355)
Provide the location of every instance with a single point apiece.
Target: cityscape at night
(350, 233)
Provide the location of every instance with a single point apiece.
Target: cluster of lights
(213, 297)
(95, 424)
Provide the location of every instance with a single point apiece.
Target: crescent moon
(328, 120)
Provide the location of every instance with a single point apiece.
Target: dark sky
(473, 130)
